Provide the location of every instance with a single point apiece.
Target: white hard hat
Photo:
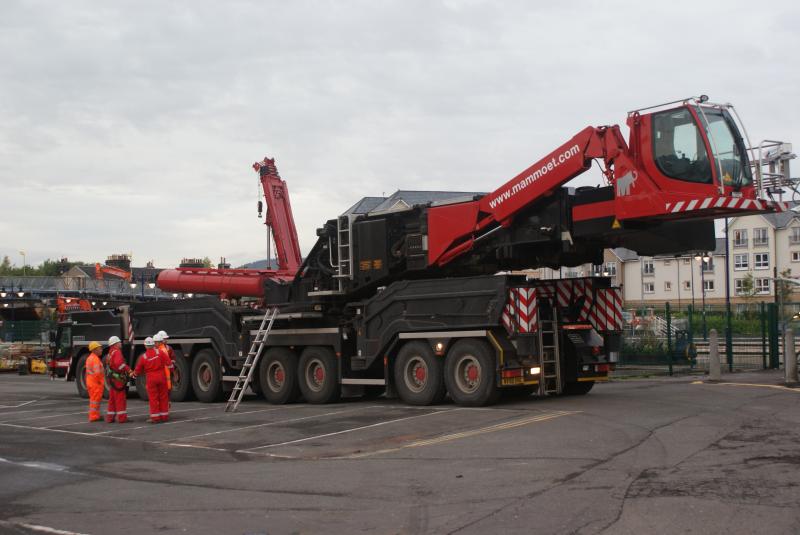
(163, 335)
(148, 342)
(157, 337)
(113, 340)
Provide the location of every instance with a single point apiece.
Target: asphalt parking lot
(671, 455)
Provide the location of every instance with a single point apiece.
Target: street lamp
(3, 293)
(189, 295)
(20, 293)
(24, 263)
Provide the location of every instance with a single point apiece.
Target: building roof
(406, 199)
(625, 255)
(777, 219)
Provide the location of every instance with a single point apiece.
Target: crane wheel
(469, 373)
(80, 376)
(181, 380)
(207, 376)
(277, 376)
(418, 375)
(318, 375)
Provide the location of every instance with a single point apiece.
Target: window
(760, 236)
(708, 265)
(667, 286)
(761, 260)
(740, 262)
(648, 268)
(571, 274)
(708, 286)
(738, 284)
(649, 287)
(795, 256)
(687, 285)
(740, 238)
(762, 286)
(728, 147)
(795, 236)
(679, 147)
(611, 268)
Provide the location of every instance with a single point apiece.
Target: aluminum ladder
(344, 249)
(250, 363)
(549, 359)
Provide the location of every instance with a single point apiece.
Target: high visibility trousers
(117, 406)
(95, 397)
(159, 398)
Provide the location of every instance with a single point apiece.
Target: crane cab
(689, 157)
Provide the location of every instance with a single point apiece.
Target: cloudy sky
(132, 126)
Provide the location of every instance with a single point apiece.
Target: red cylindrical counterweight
(224, 282)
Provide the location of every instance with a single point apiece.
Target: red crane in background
(230, 283)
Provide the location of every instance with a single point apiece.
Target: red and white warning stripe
(606, 315)
(728, 203)
(521, 313)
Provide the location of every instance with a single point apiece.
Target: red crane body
(684, 161)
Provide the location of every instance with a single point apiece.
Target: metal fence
(34, 331)
(665, 339)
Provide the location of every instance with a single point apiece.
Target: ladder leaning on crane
(251, 362)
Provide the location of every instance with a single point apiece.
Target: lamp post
(703, 260)
(24, 264)
(133, 287)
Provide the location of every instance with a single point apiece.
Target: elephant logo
(625, 182)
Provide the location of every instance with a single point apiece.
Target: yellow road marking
(777, 387)
(466, 434)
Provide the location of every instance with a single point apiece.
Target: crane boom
(683, 163)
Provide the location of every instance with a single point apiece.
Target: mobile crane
(422, 301)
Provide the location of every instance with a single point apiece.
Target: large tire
(318, 375)
(277, 375)
(207, 376)
(181, 380)
(469, 373)
(141, 384)
(577, 388)
(418, 375)
(80, 376)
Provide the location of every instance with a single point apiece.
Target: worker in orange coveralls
(95, 380)
(160, 339)
(152, 364)
(118, 372)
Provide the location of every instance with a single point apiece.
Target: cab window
(678, 147)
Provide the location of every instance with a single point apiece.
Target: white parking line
(465, 434)
(360, 428)
(132, 415)
(172, 441)
(19, 405)
(173, 422)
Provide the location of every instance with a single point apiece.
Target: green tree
(785, 288)
(5, 266)
(207, 262)
(748, 287)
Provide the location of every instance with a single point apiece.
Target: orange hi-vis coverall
(95, 384)
(152, 364)
(117, 393)
(170, 354)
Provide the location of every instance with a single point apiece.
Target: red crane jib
(642, 191)
(231, 283)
